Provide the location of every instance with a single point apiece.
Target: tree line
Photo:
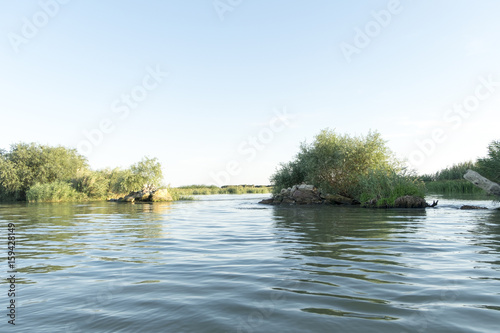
(35, 172)
(365, 169)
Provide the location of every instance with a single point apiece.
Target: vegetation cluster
(35, 173)
(212, 189)
(362, 168)
(451, 179)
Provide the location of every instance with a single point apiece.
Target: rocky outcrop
(309, 195)
(146, 196)
(306, 195)
(409, 201)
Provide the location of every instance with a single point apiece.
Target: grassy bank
(451, 180)
(211, 189)
(459, 186)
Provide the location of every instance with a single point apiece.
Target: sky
(223, 91)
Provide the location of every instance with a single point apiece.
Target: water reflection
(343, 253)
(49, 232)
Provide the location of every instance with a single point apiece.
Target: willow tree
(347, 165)
(28, 164)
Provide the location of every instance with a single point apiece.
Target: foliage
(455, 172)
(453, 186)
(94, 184)
(211, 189)
(61, 174)
(27, 164)
(354, 167)
(53, 192)
(146, 173)
(178, 194)
(489, 166)
(385, 186)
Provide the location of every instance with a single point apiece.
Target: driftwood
(486, 184)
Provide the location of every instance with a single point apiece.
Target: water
(227, 264)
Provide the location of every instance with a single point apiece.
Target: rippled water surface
(227, 264)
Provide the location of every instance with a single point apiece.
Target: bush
(335, 162)
(361, 168)
(53, 192)
(27, 164)
(94, 184)
(386, 186)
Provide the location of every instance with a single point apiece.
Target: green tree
(361, 168)
(27, 164)
(335, 162)
(145, 174)
(489, 166)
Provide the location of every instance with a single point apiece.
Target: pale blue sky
(65, 67)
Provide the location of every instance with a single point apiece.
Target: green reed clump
(453, 186)
(385, 186)
(211, 189)
(178, 194)
(57, 191)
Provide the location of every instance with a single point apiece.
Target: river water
(225, 263)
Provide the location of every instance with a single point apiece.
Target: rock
(305, 187)
(288, 201)
(468, 207)
(296, 195)
(340, 200)
(409, 201)
(267, 201)
(146, 196)
(161, 195)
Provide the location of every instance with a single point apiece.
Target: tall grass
(454, 172)
(53, 192)
(211, 189)
(385, 186)
(453, 186)
(451, 180)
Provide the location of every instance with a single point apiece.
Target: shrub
(386, 186)
(57, 191)
(335, 162)
(94, 184)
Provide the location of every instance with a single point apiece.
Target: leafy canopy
(335, 162)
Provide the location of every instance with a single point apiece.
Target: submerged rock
(468, 207)
(409, 201)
